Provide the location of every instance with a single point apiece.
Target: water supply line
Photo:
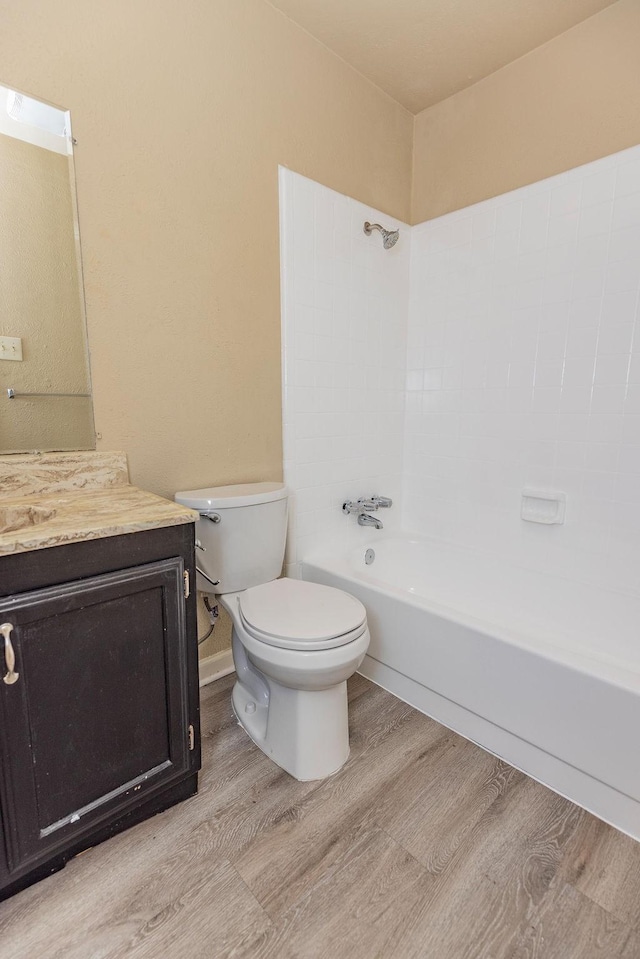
(213, 616)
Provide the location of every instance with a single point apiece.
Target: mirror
(45, 385)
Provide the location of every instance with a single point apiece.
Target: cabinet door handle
(11, 676)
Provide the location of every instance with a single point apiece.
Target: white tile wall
(344, 314)
(510, 352)
(524, 370)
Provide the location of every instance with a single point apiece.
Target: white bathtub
(536, 669)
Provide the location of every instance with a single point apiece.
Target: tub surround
(71, 497)
(519, 324)
(520, 317)
(524, 371)
(344, 318)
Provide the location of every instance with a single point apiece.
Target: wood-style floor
(422, 846)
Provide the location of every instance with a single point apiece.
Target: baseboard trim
(215, 667)
(596, 797)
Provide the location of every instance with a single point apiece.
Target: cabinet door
(97, 718)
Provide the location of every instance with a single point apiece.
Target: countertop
(87, 496)
(91, 514)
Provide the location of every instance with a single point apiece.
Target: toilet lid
(296, 614)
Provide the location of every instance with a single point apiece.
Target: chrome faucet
(362, 508)
(365, 520)
(365, 505)
(358, 506)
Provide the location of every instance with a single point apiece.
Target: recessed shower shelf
(543, 506)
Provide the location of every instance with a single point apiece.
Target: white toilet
(295, 644)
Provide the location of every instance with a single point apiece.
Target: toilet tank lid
(230, 497)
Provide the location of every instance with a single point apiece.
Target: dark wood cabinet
(100, 730)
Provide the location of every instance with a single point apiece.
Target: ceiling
(422, 51)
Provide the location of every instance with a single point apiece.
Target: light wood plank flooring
(422, 846)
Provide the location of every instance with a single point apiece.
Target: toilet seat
(294, 614)
(291, 644)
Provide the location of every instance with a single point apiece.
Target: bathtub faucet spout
(364, 507)
(365, 520)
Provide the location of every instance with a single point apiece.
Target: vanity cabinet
(100, 729)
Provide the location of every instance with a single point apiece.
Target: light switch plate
(10, 348)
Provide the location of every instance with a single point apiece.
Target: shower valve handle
(358, 506)
(367, 505)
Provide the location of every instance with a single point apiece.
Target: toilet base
(305, 732)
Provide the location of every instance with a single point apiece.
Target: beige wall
(183, 112)
(40, 302)
(570, 101)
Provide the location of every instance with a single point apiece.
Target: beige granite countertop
(26, 474)
(92, 514)
(87, 496)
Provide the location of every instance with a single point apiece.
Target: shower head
(389, 237)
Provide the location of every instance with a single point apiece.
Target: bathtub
(538, 670)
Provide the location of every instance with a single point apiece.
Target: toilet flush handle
(214, 517)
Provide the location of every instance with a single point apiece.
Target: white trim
(591, 794)
(215, 667)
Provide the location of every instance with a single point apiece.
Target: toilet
(294, 643)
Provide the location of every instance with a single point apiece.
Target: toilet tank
(242, 531)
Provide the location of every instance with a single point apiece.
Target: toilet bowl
(291, 692)
(294, 643)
